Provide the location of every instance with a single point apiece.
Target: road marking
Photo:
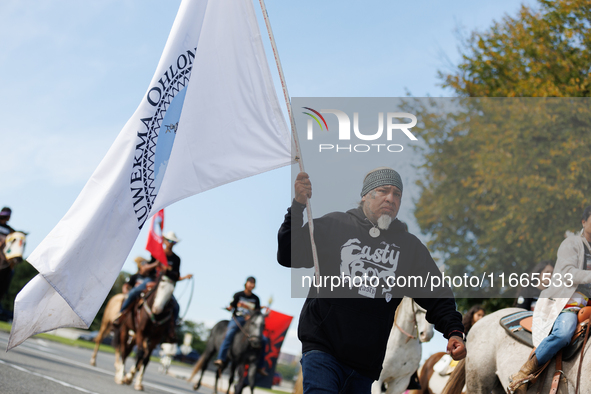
(43, 351)
(47, 377)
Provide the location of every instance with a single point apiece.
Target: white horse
(14, 247)
(493, 356)
(403, 352)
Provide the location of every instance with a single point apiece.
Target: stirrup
(117, 320)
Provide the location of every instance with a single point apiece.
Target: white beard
(384, 222)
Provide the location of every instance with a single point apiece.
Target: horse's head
(15, 246)
(254, 329)
(163, 295)
(424, 328)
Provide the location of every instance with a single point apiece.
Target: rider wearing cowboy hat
(149, 273)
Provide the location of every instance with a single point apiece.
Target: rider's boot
(120, 316)
(262, 372)
(521, 379)
(117, 320)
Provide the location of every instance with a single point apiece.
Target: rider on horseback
(5, 268)
(147, 272)
(173, 274)
(242, 306)
(555, 315)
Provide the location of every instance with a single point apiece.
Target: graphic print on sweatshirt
(358, 260)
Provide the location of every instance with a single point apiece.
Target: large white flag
(210, 116)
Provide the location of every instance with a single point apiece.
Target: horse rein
(241, 328)
(147, 308)
(416, 324)
(247, 335)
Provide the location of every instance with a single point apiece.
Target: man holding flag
(344, 330)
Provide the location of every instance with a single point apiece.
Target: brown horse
(150, 329)
(426, 374)
(111, 311)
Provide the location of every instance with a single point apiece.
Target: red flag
(276, 325)
(154, 245)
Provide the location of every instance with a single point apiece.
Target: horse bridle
(148, 310)
(416, 325)
(242, 328)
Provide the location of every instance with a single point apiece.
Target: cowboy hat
(171, 236)
(140, 260)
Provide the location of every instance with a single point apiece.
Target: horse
(403, 351)
(150, 321)
(245, 350)
(493, 356)
(14, 247)
(111, 311)
(431, 382)
(13, 250)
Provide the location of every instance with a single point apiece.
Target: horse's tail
(457, 379)
(197, 367)
(298, 387)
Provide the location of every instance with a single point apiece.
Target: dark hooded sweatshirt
(353, 323)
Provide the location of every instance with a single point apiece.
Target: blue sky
(72, 73)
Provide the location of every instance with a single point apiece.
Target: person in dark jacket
(346, 320)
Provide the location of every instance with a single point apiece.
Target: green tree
(199, 332)
(538, 53)
(504, 180)
(23, 273)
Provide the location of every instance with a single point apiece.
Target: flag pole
(296, 142)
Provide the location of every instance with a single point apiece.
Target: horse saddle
(149, 287)
(519, 326)
(445, 366)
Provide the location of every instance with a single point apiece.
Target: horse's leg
(376, 387)
(111, 310)
(218, 375)
(120, 354)
(139, 357)
(105, 328)
(119, 368)
(144, 363)
(202, 365)
(252, 374)
(231, 378)
(241, 379)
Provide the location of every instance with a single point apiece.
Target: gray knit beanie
(381, 176)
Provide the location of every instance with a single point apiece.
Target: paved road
(39, 366)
